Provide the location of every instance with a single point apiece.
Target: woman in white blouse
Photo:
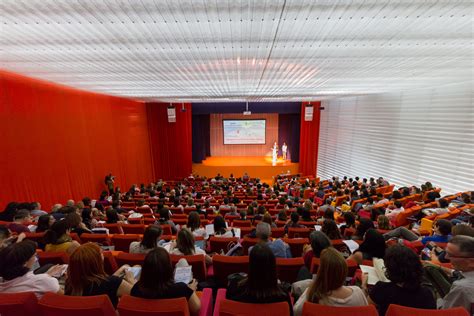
(328, 287)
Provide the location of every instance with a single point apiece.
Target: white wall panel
(408, 137)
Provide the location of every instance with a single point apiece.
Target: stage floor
(256, 167)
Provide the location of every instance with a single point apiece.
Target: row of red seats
(22, 304)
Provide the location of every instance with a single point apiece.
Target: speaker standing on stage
(284, 148)
(274, 153)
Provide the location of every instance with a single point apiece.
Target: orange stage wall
(217, 135)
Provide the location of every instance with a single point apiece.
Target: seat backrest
(397, 310)
(248, 242)
(296, 245)
(310, 309)
(110, 265)
(221, 243)
(52, 257)
(232, 308)
(130, 258)
(241, 223)
(294, 232)
(97, 238)
(225, 265)
(134, 306)
(133, 228)
(36, 237)
(18, 304)
(197, 262)
(58, 305)
(288, 268)
(122, 242)
(278, 232)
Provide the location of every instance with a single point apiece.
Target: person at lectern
(284, 148)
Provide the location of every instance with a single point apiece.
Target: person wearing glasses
(460, 251)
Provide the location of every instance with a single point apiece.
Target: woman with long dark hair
(373, 246)
(261, 283)
(157, 281)
(57, 238)
(44, 223)
(151, 240)
(405, 271)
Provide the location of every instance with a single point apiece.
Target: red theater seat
(311, 309)
(218, 244)
(134, 306)
(59, 305)
(52, 257)
(129, 258)
(287, 268)
(133, 228)
(18, 304)
(397, 310)
(224, 307)
(122, 242)
(224, 266)
(197, 262)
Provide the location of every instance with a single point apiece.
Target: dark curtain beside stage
(201, 137)
(289, 132)
(170, 143)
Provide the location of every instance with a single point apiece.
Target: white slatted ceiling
(408, 137)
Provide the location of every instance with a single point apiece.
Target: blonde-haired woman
(328, 288)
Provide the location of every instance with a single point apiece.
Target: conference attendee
(36, 209)
(327, 206)
(441, 233)
(185, 246)
(284, 149)
(6, 237)
(383, 223)
(460, 252)
(44, 223)
(57, 238)
(9, 212)
(17, 262)
(194, 225)
(318, 242)
(86, 275)
(364, 225)
(293, 223)
(442, 208)
(267, 218)
(157, 281)
(279, 248)
(21, 219)
(220, 228)
(75, 224)
(392, 211)
(404, 270)
(372, 246)
(331, 230)
(328, 288)
(260, 285)
(150, 240)
(349, 222)
(113, 217)
(109, 183)
(166, 220)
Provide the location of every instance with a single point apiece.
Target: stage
(257, 167)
